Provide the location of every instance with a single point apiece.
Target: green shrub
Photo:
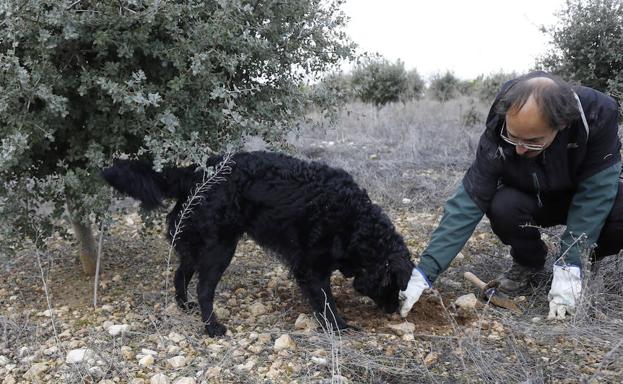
(587, 45)
(444, 87)
(378, 81)
(85, 81)
(416, 86)
(488, 86)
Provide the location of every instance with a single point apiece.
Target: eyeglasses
(529, 147)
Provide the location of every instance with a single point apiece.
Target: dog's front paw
(215, 329)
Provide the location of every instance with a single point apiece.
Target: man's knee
(511, 208)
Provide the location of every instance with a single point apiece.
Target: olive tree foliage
(587, 45)
(486, 87)
(331, 93)
(416, 86)
(444, 87)
(378, 81)
(83, 82)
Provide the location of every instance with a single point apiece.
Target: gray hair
(554, 97)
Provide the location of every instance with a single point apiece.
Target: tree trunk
(86, 242)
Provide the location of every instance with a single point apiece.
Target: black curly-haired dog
(316, 218)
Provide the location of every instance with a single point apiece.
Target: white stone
(173, 350)
(408, 337)
(185, 380)
(176, 337)
(177, 361)
(213, 372)
(50, 351)
(319, 360)
(35, 371)
(107, 308)
(3, 360)
(146, 361)
(22, 351)
(468, 301)
(258, 309)
(126, 352)
(96, 371)
(431, 359)
(403, 328)
(264, 338)
(146, 351)
(221, 313)
(406, 201)
(304, 322)
(246, 366)
(284, 342)
(79, 355)
(159, 378)
(9, 379)
(118, 329)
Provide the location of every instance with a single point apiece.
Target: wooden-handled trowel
(490, 293)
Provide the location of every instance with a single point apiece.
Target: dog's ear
(401, 266)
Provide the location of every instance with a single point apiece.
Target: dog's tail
(138, 180)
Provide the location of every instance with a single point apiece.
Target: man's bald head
(547, 98)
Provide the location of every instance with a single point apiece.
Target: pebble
(536, 319)
(468, 301)
(185, 380)
(258, 309)
(264, 338)
(213, 372)
(177, 362)
(246, 366)
(319, 360)
(126, 352)
(118, 329)
(403, 328)
(304, 322)
(146, 351)
(284, 342)
(146, 361)
(159, 378)
(79, 355)
(35, 371)
(176, 337)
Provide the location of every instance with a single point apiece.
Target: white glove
(565, 291)
(417, 284)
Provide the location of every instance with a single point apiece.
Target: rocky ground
(51, 332)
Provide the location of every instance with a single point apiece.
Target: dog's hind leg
(183, 275)
(318, 290)
(212, 263)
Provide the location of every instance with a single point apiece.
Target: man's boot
(517, 279)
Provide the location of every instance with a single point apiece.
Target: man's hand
(417, 284)
(565, 291)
